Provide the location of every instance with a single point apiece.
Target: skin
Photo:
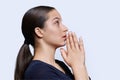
(53, 36)
(74, 56)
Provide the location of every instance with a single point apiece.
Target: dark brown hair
(33, 18)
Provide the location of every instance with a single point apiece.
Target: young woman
(43, 29)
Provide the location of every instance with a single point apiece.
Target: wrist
(78, 66)
(80, 72)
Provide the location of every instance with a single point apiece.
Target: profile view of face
(54, 31)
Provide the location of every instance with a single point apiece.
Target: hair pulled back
(35, 17)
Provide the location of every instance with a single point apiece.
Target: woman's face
(54, 31)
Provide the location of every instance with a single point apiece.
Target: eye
(57, 22)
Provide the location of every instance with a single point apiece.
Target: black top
(38, 70)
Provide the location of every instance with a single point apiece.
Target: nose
(65, 29)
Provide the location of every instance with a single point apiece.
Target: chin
(63, 44)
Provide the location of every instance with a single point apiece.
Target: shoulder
(36, 65)
(40, 70)
(37, 70)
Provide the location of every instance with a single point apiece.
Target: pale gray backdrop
(97, 21)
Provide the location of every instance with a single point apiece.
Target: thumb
(63, 53)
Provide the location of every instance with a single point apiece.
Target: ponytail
(34, 17)
(23, 59)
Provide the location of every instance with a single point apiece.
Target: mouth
(64, 36)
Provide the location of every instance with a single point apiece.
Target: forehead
(54, 14)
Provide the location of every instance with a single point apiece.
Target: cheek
(54, 32)
(54, 35)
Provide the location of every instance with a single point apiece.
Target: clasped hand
(74, 54)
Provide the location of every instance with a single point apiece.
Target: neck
(45, 54)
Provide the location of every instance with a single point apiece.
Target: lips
(64, 36)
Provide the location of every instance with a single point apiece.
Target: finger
(67, 43)
(71, 40)
(75, 41)
(81, 45)
(64, 54)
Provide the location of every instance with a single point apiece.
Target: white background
(97, 21)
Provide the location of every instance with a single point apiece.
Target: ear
(38, 32)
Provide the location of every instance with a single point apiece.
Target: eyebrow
(56, 18)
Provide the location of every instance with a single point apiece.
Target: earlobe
(38, 32)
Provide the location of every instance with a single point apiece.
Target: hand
(75, 54)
